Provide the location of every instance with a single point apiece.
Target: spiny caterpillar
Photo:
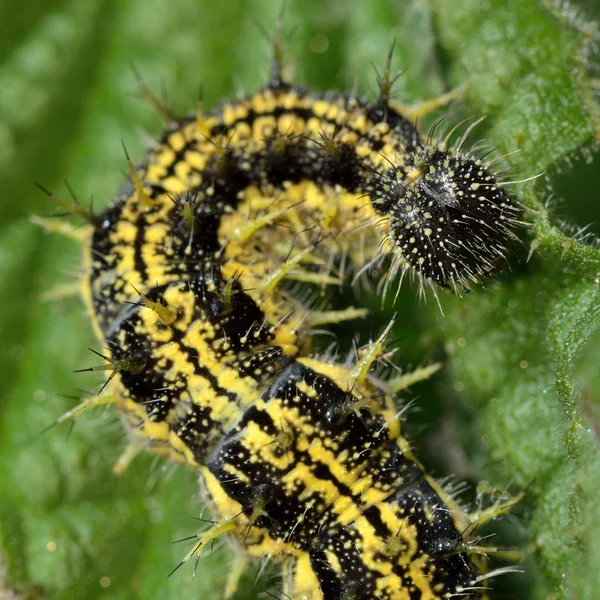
(209, 351)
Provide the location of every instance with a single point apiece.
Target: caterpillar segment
(209, 349)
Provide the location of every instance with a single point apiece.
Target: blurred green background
(516, 401)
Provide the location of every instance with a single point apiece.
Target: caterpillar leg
(501, 505)
(420, 109)
(62, 291)
(131, 451)
(56, 225)
(404, 381)
(498, 508)
(83, 406)
(205, 538)
(337, 316)
(73, 208)
(233, 578)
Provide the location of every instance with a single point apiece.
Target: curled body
(303, 460)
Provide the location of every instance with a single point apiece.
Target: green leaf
(521, 387)
(513, 348)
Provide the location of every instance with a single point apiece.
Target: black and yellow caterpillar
(187, 283)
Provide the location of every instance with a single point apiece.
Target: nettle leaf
(522, 352)
(519, 348)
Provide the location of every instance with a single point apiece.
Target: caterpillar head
(449, 218)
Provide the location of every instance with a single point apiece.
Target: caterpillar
(187, 282)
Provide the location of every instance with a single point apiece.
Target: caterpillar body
(302, 459)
